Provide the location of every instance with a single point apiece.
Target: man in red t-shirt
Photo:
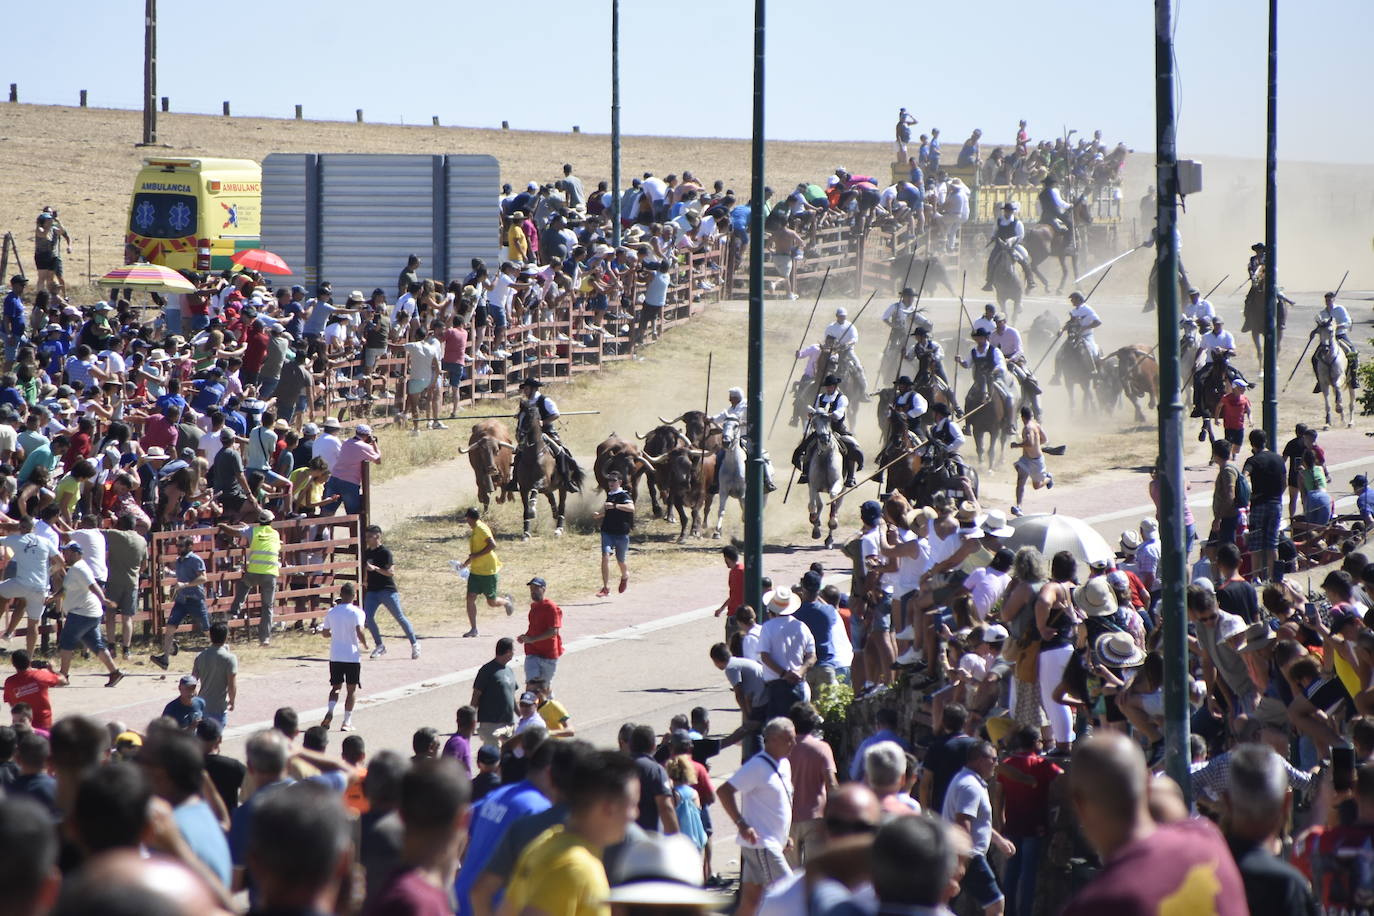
(735, 598)
(542, 642)
(255, 345)
(1338, 859)
(1025, 778)
(1233, 410)
(30, 685)
(455, 357)
(1148, 868)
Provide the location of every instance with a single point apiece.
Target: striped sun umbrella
(148, 278)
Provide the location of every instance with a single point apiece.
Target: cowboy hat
(967, 511)
(781, 601)
(1130, 541)
(1095, 598)
(1118, 650)
(995, 525)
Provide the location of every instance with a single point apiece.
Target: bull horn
(667, 422)
(638, 436)
(649, 460)
(697, 452)
(683, 436)
(463, 451)
(509, 445)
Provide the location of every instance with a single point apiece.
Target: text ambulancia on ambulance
(194, 214)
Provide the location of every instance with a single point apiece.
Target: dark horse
(1043, 241)
(537, 470)
(981, 409)
(897, 450)
(1211, 382)
(1076, 366)
(1006, 279)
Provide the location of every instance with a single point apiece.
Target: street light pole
(1169, 473)
(1271, 239)
(615, 122)
(149, 72)
(753, 481)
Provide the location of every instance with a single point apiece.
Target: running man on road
(483, 566)
(343, 627)
(1031, 465)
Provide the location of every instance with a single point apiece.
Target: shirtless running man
(1031, 464)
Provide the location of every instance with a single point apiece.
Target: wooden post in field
(166, 103)
(505, 125)
(226, 109)
(300, 112)
(149, 73)
(360, 116)
(577, 129)
(83, 98)
(436, 120)
(14, 92)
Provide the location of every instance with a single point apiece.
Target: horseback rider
(1255, 266)
(1339, 320)
(831, 403)
(1009, 235)
(1082, 321)
(988, 320)
(1198, 307)
(842, 337)
(988, 362)
(1216, 343)
(945, 437)
(542, 406)
(1055, 212)
(925, 347)
(738, 412)
(908, 403)
(1007, 339)
(899, 315)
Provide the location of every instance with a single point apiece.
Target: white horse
(1330, 364)
(1188, 345)
(730, 479)
(824, 474)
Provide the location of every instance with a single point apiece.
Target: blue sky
(837, 71)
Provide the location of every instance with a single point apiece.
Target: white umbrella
(1050, 534)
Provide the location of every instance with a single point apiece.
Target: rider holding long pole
(1082, 321)
(831, 403)
(1009, 237)
(843, 337)
(1339, 319)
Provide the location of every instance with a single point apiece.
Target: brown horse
(1131, 371)
(897, 450)
(1043, 242)
(1254, 318)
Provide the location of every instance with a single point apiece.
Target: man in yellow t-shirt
(554, 713)
(482, 565)
(560, 873)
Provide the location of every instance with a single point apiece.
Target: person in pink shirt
(455, 358)
(813, 779)
(346, 480)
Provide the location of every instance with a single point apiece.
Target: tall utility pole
(1173, 552)
(149, 72)
(615, 121)
(753, 479)
(1271, 239)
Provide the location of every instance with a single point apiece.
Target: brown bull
(622, 456)
(697, 425)
(490, 452)
(660, 441)
(1131, 371)
(679, 475)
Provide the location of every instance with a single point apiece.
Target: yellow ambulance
(194, 214)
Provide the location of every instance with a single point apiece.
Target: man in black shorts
(343, 626)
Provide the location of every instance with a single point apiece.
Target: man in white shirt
(842, 337)
(1082, 322)
(84, 603)
(988, 362)
(343, 627)
(1198, 307)
(328, 444)
(987, 321)
(758, 799)
(35, 559)
(968, 805)
(902, 317)
(786, 650)
(1217, 340)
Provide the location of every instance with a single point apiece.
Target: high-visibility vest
(264, 551)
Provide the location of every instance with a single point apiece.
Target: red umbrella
(261, 260)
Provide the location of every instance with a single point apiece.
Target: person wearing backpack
(1227, 494)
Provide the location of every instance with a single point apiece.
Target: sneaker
(624, 584)
(769, 486)
(160, 661)
(1016, 511)
(115, 677)
(470, 633)
(502, 354)
(438, 425)
(562, 337)
(414, 650)
(327, 720)
(347, 726)
(378, 652)
(906, 635)
(510, 604)
(1049, 481)
(791, 296)
(602, 592)
(176, 649)
(909, 657)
